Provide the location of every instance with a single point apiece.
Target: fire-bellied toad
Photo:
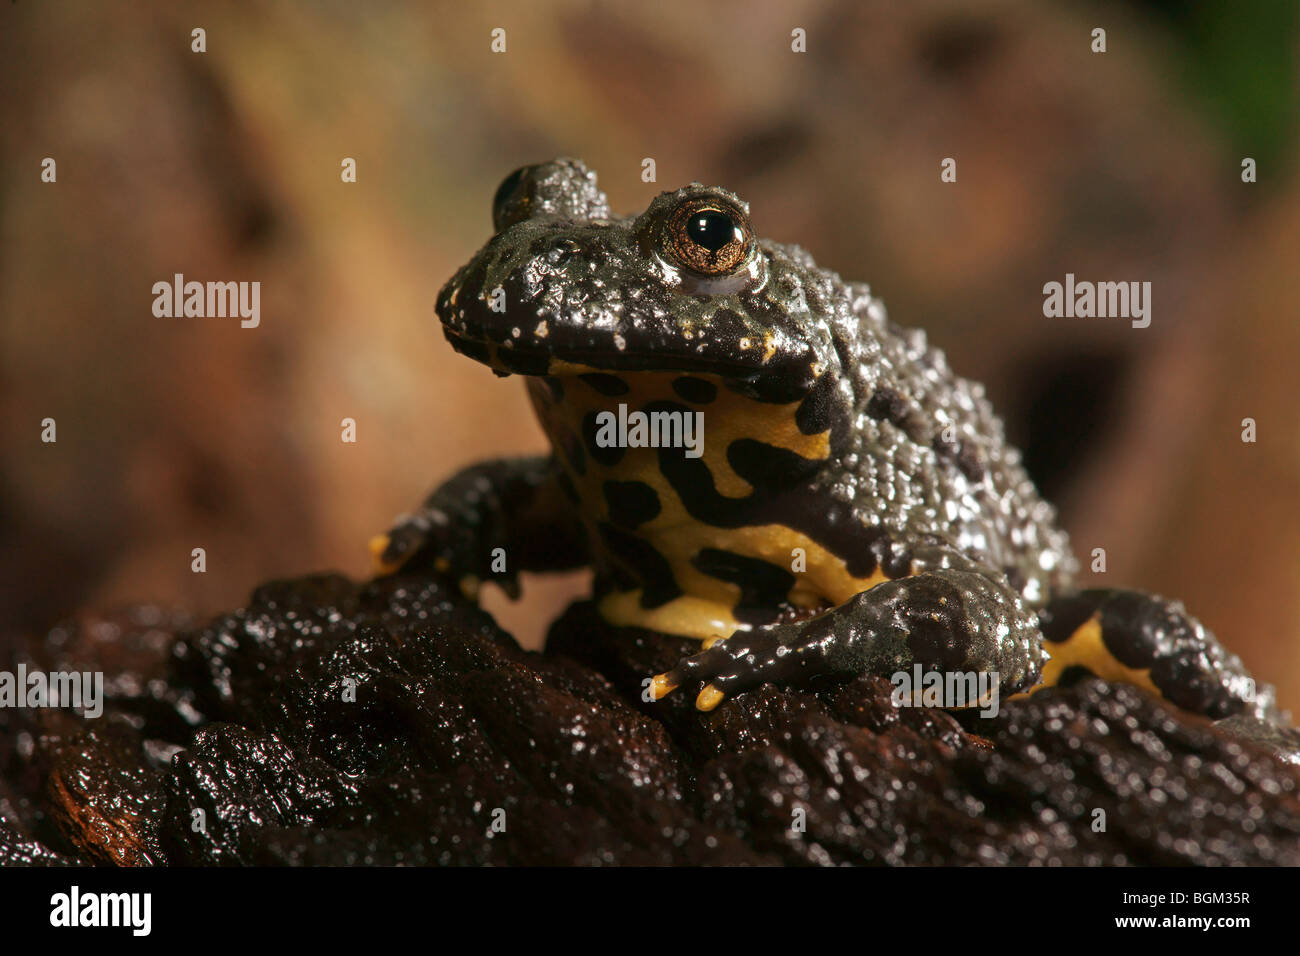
(848, 506)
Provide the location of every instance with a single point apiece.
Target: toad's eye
(507, 206)
(707, 236)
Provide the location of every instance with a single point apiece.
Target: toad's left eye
(707, 236)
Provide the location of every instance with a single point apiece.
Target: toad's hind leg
(948, 614)
(1152, 643)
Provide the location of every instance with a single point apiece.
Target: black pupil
(711, 229)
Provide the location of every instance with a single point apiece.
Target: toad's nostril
(561, 249)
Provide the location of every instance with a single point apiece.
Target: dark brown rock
(389, 722)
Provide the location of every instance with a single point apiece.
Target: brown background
(181, 433)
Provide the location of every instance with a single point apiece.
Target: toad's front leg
(508, 511)
(950, 614)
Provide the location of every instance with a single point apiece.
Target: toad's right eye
(707, 236)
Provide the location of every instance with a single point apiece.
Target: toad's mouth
(750, 368)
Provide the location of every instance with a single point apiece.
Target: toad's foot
(742, 662)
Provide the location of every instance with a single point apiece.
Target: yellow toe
(378, 545)
(709, 698)
(661, 687)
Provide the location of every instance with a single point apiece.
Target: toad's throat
(702, 538)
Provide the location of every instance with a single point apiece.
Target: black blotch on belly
(695, 390)
(693, 482)
(631, 503)
(605, 384)
(649, 569)
(556, 387)
(764, 587)
(783, 494)
(605, 456)
(767, 467)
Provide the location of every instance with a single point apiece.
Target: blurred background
(225, 165)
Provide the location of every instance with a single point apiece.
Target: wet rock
(104, 796)
(391, 722)
(15, 850)
(232, 786)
